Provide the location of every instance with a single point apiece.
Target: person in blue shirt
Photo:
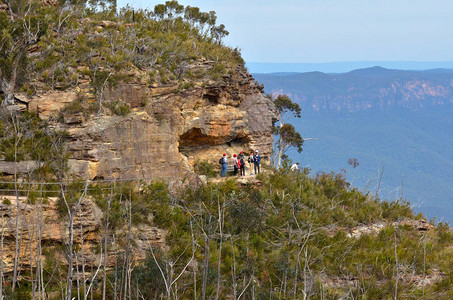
(223, 162)
(257, 161)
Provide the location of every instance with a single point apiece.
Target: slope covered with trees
(286, 235)
(53, 45)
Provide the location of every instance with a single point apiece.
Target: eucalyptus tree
(286, 135)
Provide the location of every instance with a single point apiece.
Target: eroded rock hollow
(167, 129)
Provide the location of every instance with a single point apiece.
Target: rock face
(48, 225)
(168, 128)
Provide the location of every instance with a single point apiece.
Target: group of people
(254, 159)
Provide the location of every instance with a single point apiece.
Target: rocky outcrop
(47, 226)
(375, 228)
(168, 128)
(21, 168)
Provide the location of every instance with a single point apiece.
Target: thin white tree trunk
(1, 257)
(104, 280)
(219, 277)
(17, 244)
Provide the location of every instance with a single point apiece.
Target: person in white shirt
(295, 167)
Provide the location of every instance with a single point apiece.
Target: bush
(205, 168)
(118, 108)
(148, 277)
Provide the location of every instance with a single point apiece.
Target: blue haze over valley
(397, 124)
(401, 122)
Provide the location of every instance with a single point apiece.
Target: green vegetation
(286, 136)
(26, 137)
(290, 237)
(72, 42)
(293, 235)
(205, 168)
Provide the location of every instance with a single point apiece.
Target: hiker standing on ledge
(241, 159)
(235, 164)
(251, 160)
(257, 161)
(223, 162)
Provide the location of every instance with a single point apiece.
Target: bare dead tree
(424, 269)
(233, 271)
(194, 271)
(71, 209)
(208, 227)
(115, 283)
(40, 271)
(31, 238)
(127, 261)
(221, 220)
(396, 269)
(1, 255)
(208, 220)
(17, 138)
(379, 181)
(305, 239)
(82, 253)
(169, 279)
(106, 236)
(93, 279)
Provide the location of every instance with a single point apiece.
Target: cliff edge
(164, 128)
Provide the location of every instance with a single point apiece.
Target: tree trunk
(104, 280)
(17, 245)
(70, 242)
(1, 258)
(280, 146)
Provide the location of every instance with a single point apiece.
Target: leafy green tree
(286, 135)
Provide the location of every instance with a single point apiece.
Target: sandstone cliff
(168, 127)
(46, 227)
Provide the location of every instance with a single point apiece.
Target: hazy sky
(307, 31)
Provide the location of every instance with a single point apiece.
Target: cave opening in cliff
(239, 142)
(194, 137)
(211, 97)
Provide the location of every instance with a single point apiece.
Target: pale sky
(313, 31)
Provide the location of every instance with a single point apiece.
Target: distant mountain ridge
(364, 89)
(345, 66)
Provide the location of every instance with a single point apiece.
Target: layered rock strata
(43, 233)
(168, 128)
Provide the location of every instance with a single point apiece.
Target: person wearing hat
(235, 164)
(241, 160)
(223, 162)
(257, 161)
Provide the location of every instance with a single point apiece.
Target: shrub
(205, 168)
(118, 108)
